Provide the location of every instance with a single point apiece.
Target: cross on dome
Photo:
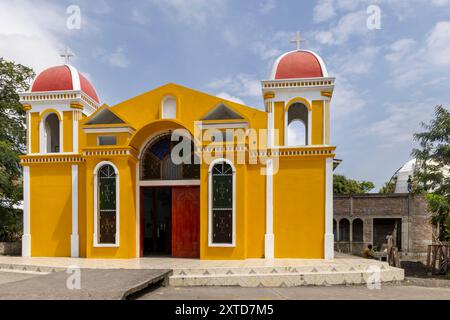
(297, 40)
(66, 55)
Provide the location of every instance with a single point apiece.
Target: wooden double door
(170, 221)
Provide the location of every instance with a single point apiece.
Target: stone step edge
(201, 276)
(30, 268)
(267, 270)
(293, 280)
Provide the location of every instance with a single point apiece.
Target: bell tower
(297, 97)
(297, 101)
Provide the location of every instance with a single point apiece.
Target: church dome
(63, 78)
(403, 175)
(299, 64)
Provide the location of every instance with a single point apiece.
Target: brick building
(360, 220)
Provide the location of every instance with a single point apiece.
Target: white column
(329, 238)
(269, 240)
(75, 131)
(138, 212)
(74, 238)
(26, 238)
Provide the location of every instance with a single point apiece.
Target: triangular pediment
(222, 112)
(105, 116)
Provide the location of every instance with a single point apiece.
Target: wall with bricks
(416, 231)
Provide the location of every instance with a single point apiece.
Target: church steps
(286, 279)
(276, 270)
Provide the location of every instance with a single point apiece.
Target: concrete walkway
(92, 284)
(387, 292)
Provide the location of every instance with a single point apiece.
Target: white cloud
(400, 49)
(347, 100)
(192, 12)
(440, 3)
(139, 17)
(240, 88)
(117, 58)
(356, 62)
(30, 33)
(401, 122)
(412, 62)
(323, 11)
(230, 97)
(438, 44)
(352, 24)
(266, 6)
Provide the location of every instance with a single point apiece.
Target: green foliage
(433, 163)
(344, 186)
(388, 187)
(14, 78)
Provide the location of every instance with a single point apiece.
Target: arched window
(169, 108)
(357, 230)
(297, 133)
(157, 162)
(106, 201)
(52, 134)
(344, 230)
(222, 201)
(297, 125)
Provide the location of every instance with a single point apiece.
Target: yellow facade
(289, 207)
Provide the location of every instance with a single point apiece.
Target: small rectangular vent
(107, 140)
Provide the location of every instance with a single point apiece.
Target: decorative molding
(126, 129)
(76, 105)
(327, 94)
(26, 107)
(56, 158)
(294, 151)
(109, 152)
(68, 96)
(168, 183)
(299, 83)
(269, 95)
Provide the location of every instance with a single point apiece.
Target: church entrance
(169, 202)
(170, 221)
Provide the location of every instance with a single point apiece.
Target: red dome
(299, 64)
(63, 78)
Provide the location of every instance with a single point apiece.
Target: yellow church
(105, 181)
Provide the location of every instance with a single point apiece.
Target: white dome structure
(402, 176)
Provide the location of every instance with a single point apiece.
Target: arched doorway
(169, 198)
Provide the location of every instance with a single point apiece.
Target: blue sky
(388, 80)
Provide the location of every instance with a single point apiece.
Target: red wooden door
(186, 222)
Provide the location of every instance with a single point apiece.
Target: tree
(388, 187)
(433, 163)
(344, 186)
(14, 78)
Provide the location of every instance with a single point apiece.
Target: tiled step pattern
(29, 268)
(320, 275)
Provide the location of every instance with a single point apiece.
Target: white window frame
(210, 209)
(164, 112)
(96, 211)
(43, 134)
